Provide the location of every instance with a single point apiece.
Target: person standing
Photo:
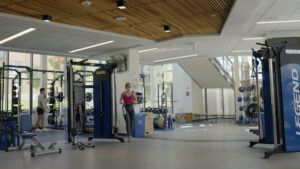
(128, 99)
(42, 108)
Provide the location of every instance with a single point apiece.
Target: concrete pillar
(205, 104)
(237, 83)
(44, 67)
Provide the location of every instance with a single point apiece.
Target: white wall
(182, 84)
(229, 108)
(197, 97)
(214, 101)
(214, 104)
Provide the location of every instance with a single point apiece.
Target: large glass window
(55, 63)
(20, 59)
(155, 76)
(2, 57)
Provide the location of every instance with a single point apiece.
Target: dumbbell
(14, 94)
(60, 97)
(50, 120)
(51, 89)
(51, 94)
(14, 110)
(241, 108)
(15, 100)
(88, 97)
(52, 100)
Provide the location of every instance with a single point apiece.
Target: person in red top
(128, 99)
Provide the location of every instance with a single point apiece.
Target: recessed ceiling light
(167, 28)
(253, 38)
(241, 51)
(17, 35)
(47, 18)
(121, 4)
(86, 3)
(274, 22)
(120, 18)
(175, 58)
(147, 50)
(92, 46)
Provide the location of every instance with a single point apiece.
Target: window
(2, 57)
(154, 76)
(20, 59)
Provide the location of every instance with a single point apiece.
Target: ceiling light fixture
(167, 28)
(254, 38)
(121, 4)
(175, 58)
(147, 50)
(86, 3)
(92, 46)
(120, 18)
(241, 51)
(17, 35)
(47, 18)
(274, 22)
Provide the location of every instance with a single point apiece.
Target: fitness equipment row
(19, 123)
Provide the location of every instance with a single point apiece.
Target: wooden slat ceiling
(145, 18)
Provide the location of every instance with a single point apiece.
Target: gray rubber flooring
(189, 146)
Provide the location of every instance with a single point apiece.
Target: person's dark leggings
(129, 118)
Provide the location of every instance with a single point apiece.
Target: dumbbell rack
(7, 130)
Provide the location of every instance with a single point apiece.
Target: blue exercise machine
(99, 121)
(280, 59)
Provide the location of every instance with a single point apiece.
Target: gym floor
(192, 146)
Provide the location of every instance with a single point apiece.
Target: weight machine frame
(36, 148)
(283, 61)
(70, 82)
(61, 78)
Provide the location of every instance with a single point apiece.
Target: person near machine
(41, 108)
(128, 99)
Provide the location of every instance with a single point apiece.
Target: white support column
(132, 76)
(44, 67)
(237, 83)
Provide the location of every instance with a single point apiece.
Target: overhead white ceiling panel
(54, 38)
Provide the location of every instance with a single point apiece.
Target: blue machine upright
(97, 120)
(268, 126)
(290, 85)
(103, 124)
(281, 94)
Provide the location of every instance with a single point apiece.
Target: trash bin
(139, 125)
